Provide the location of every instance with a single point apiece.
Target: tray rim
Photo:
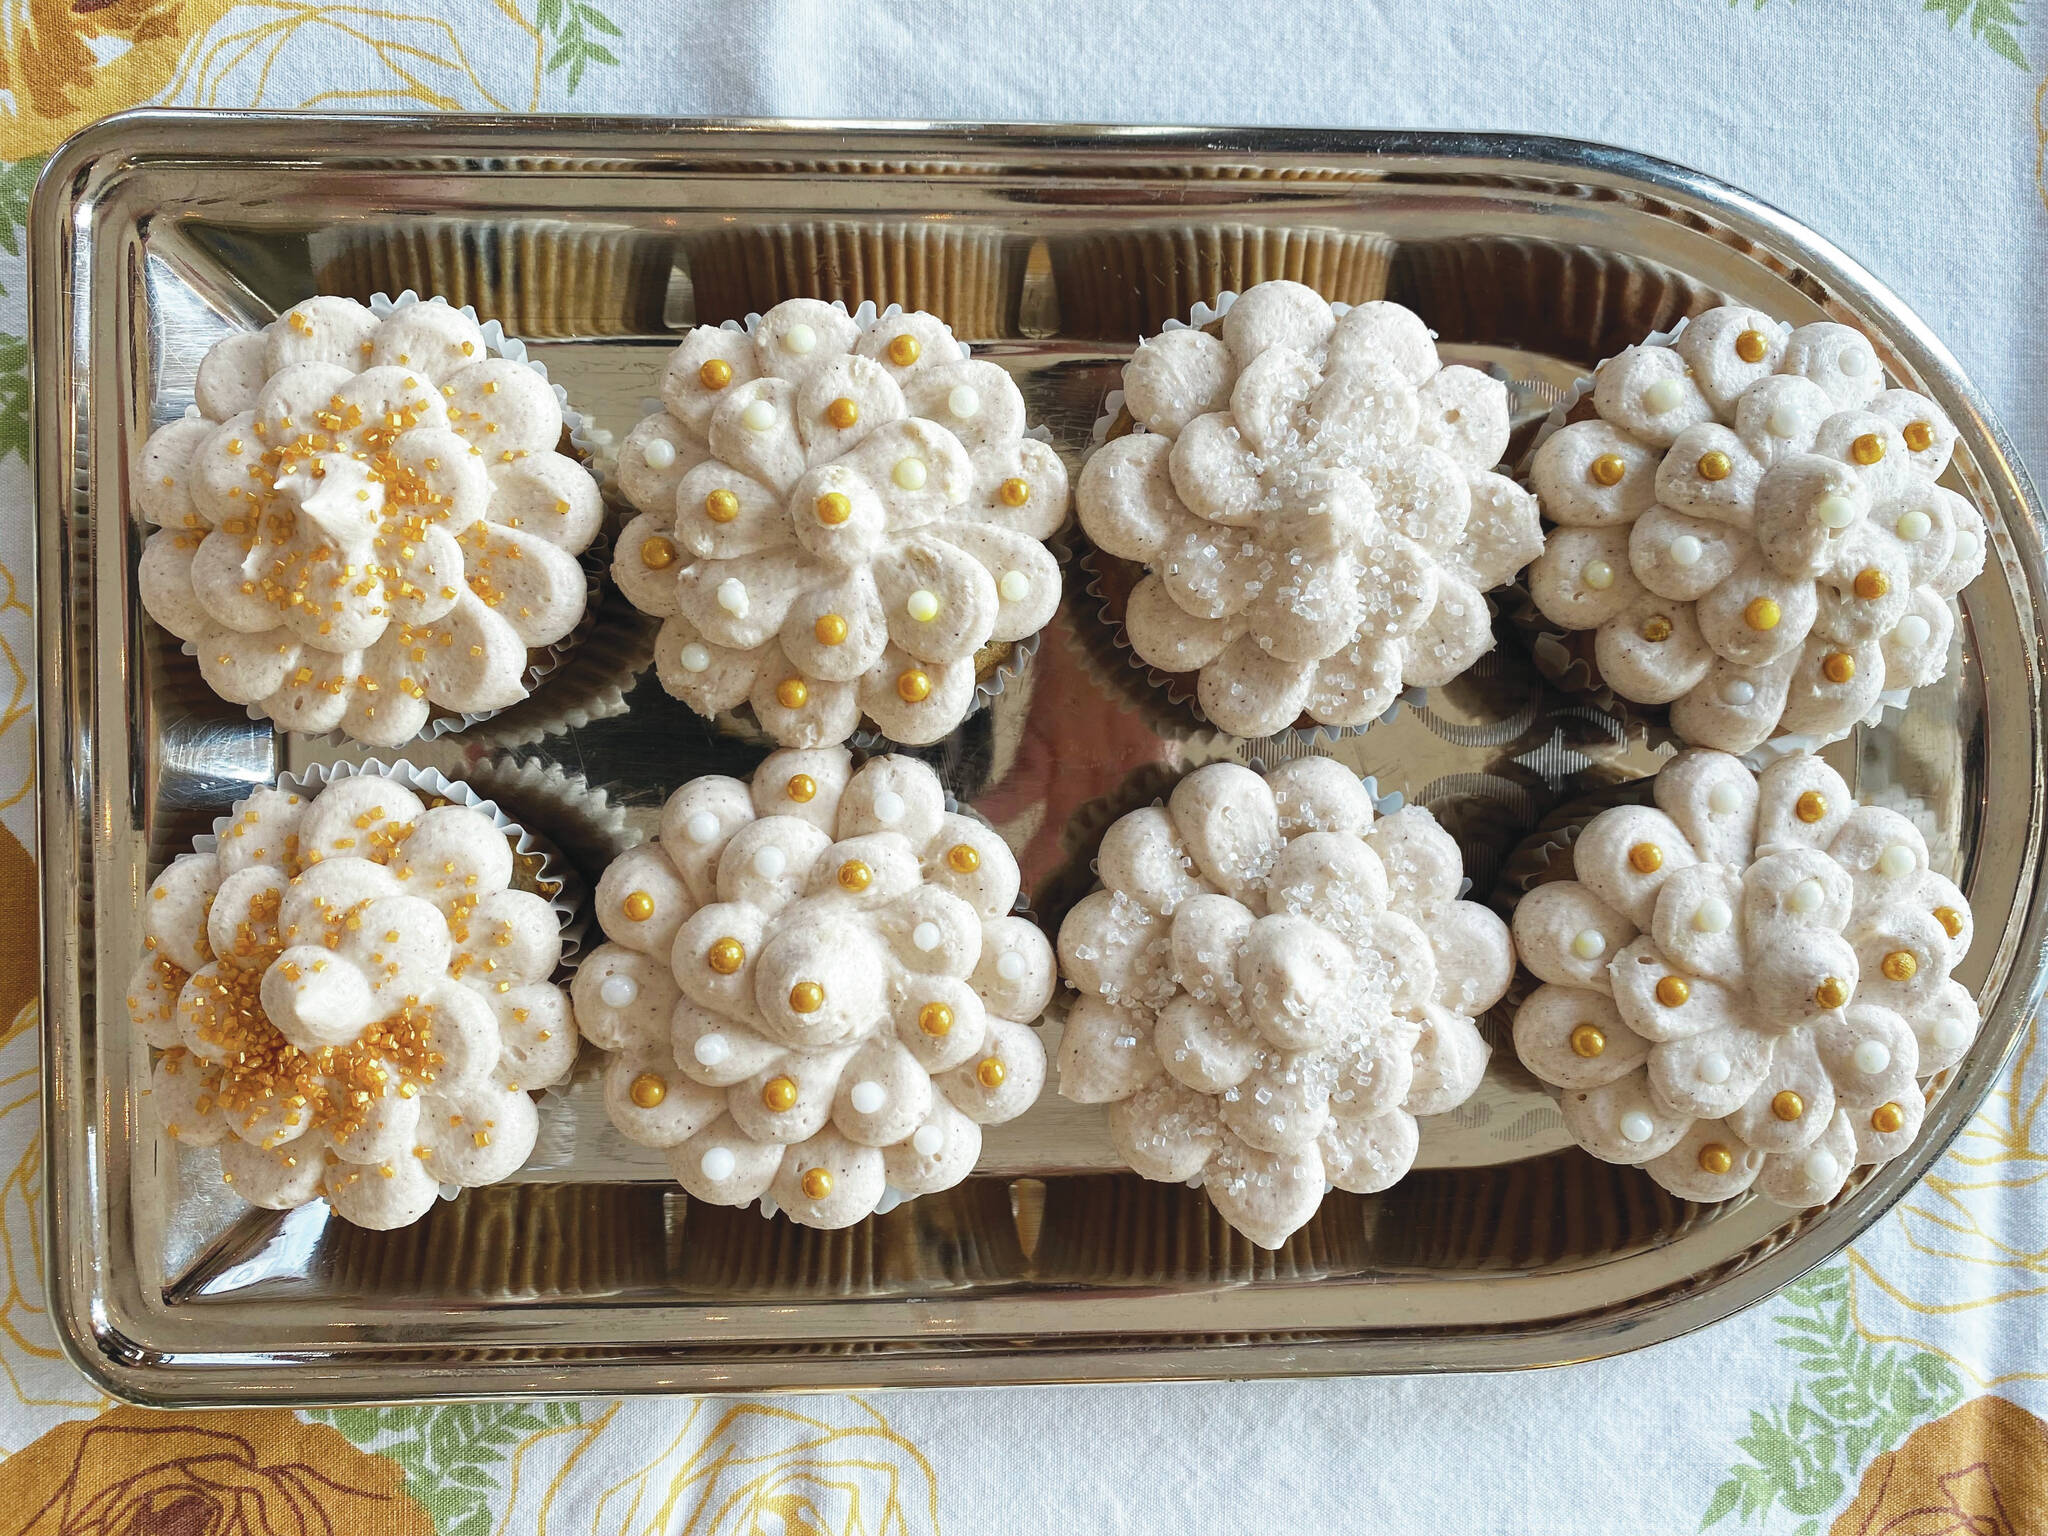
(126, 1371)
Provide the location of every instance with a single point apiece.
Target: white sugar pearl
(1783, 421)
(1951, 1033)
(1662, 396)
(889, 807)
(732, 597)
(928, 1141)
(1820, 1166)
(1913, 526)
(1834, 511)
(1637, 1126)
(923, 605)
(799, 339)
(717, 1164)
(695, 658)
(1724, 799)
(1738, 691)
(770, 862)
(618, 991)
(868, 1097)
(659, 453)
(1913, 631)
(1806, 896)
(1855, 361)
(926, 936)
(1598, 575)
(702, 827)
(1015, 586)
(759, 416)
(1588, 944)
(1712, 916)
(909, 474)
(963, 402)
(1686, 550)
(1872, 1057)
(711, 1049)
(1010, 965)
(1715, 1068)
(1897, 861)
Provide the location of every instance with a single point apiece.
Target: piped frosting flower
(816, 992)
(837, 515)
(1750, 526)
(1745, 981)
(1273, 986)
(365, 519)
(1314, 498)
(352, 1001)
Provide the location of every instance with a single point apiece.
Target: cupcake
(365, 520)
(1749, 523)
(839, 515)
(1746, 981)
(1273, 985)
(1313, 499)
(816, 992)
(351, 995)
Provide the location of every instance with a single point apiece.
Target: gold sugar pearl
(1887, 1118)
(830, 629)
(904, 350)
(1811, 806)
(1867, 449)
(1919, 436)
(726, 956)
(817, 1183)
(1014, 492)
(1900, 965)
(792, 693)
(1752, 347)
(721, 506)
(1673, 991)
(806, 997)
(935, 1019)
(1871, 584)
(1715, 1158)
(715, 374)
(854, 875)
(1646, 858)
(1656, 629)
(1787, 1105)
(1762, 613)
(1716, 465)
(1838, 667)
(833, 509)
(649, 1090)
(963, 858)
(1588, 1041)
(913, 685)
(639, 906)
(1607, 469)
(1951, 921)
(801, 788)
(991, 1072)
(842, 413)
(657, 554)
(1831, 993)
(779, 1096)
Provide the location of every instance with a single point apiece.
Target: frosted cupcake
(352, 1000)
(1273, 985)
(816, 991)
(1750, 526)
(365, 520)
(1313, 498)
(838, 514)
(1746, 982)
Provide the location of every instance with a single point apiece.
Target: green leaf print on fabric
(1855, 1400)
(1992, 22)
(13, 396)
(451, 1452)
(17, 181)
(569, 25)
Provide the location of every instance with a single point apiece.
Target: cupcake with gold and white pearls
(842, 515)
(1746, 982)
(817, 991)
(1748, 522)
(365, 523)
(351, 993)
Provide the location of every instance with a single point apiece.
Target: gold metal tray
(155, 233)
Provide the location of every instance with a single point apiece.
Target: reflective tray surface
(599, 240)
